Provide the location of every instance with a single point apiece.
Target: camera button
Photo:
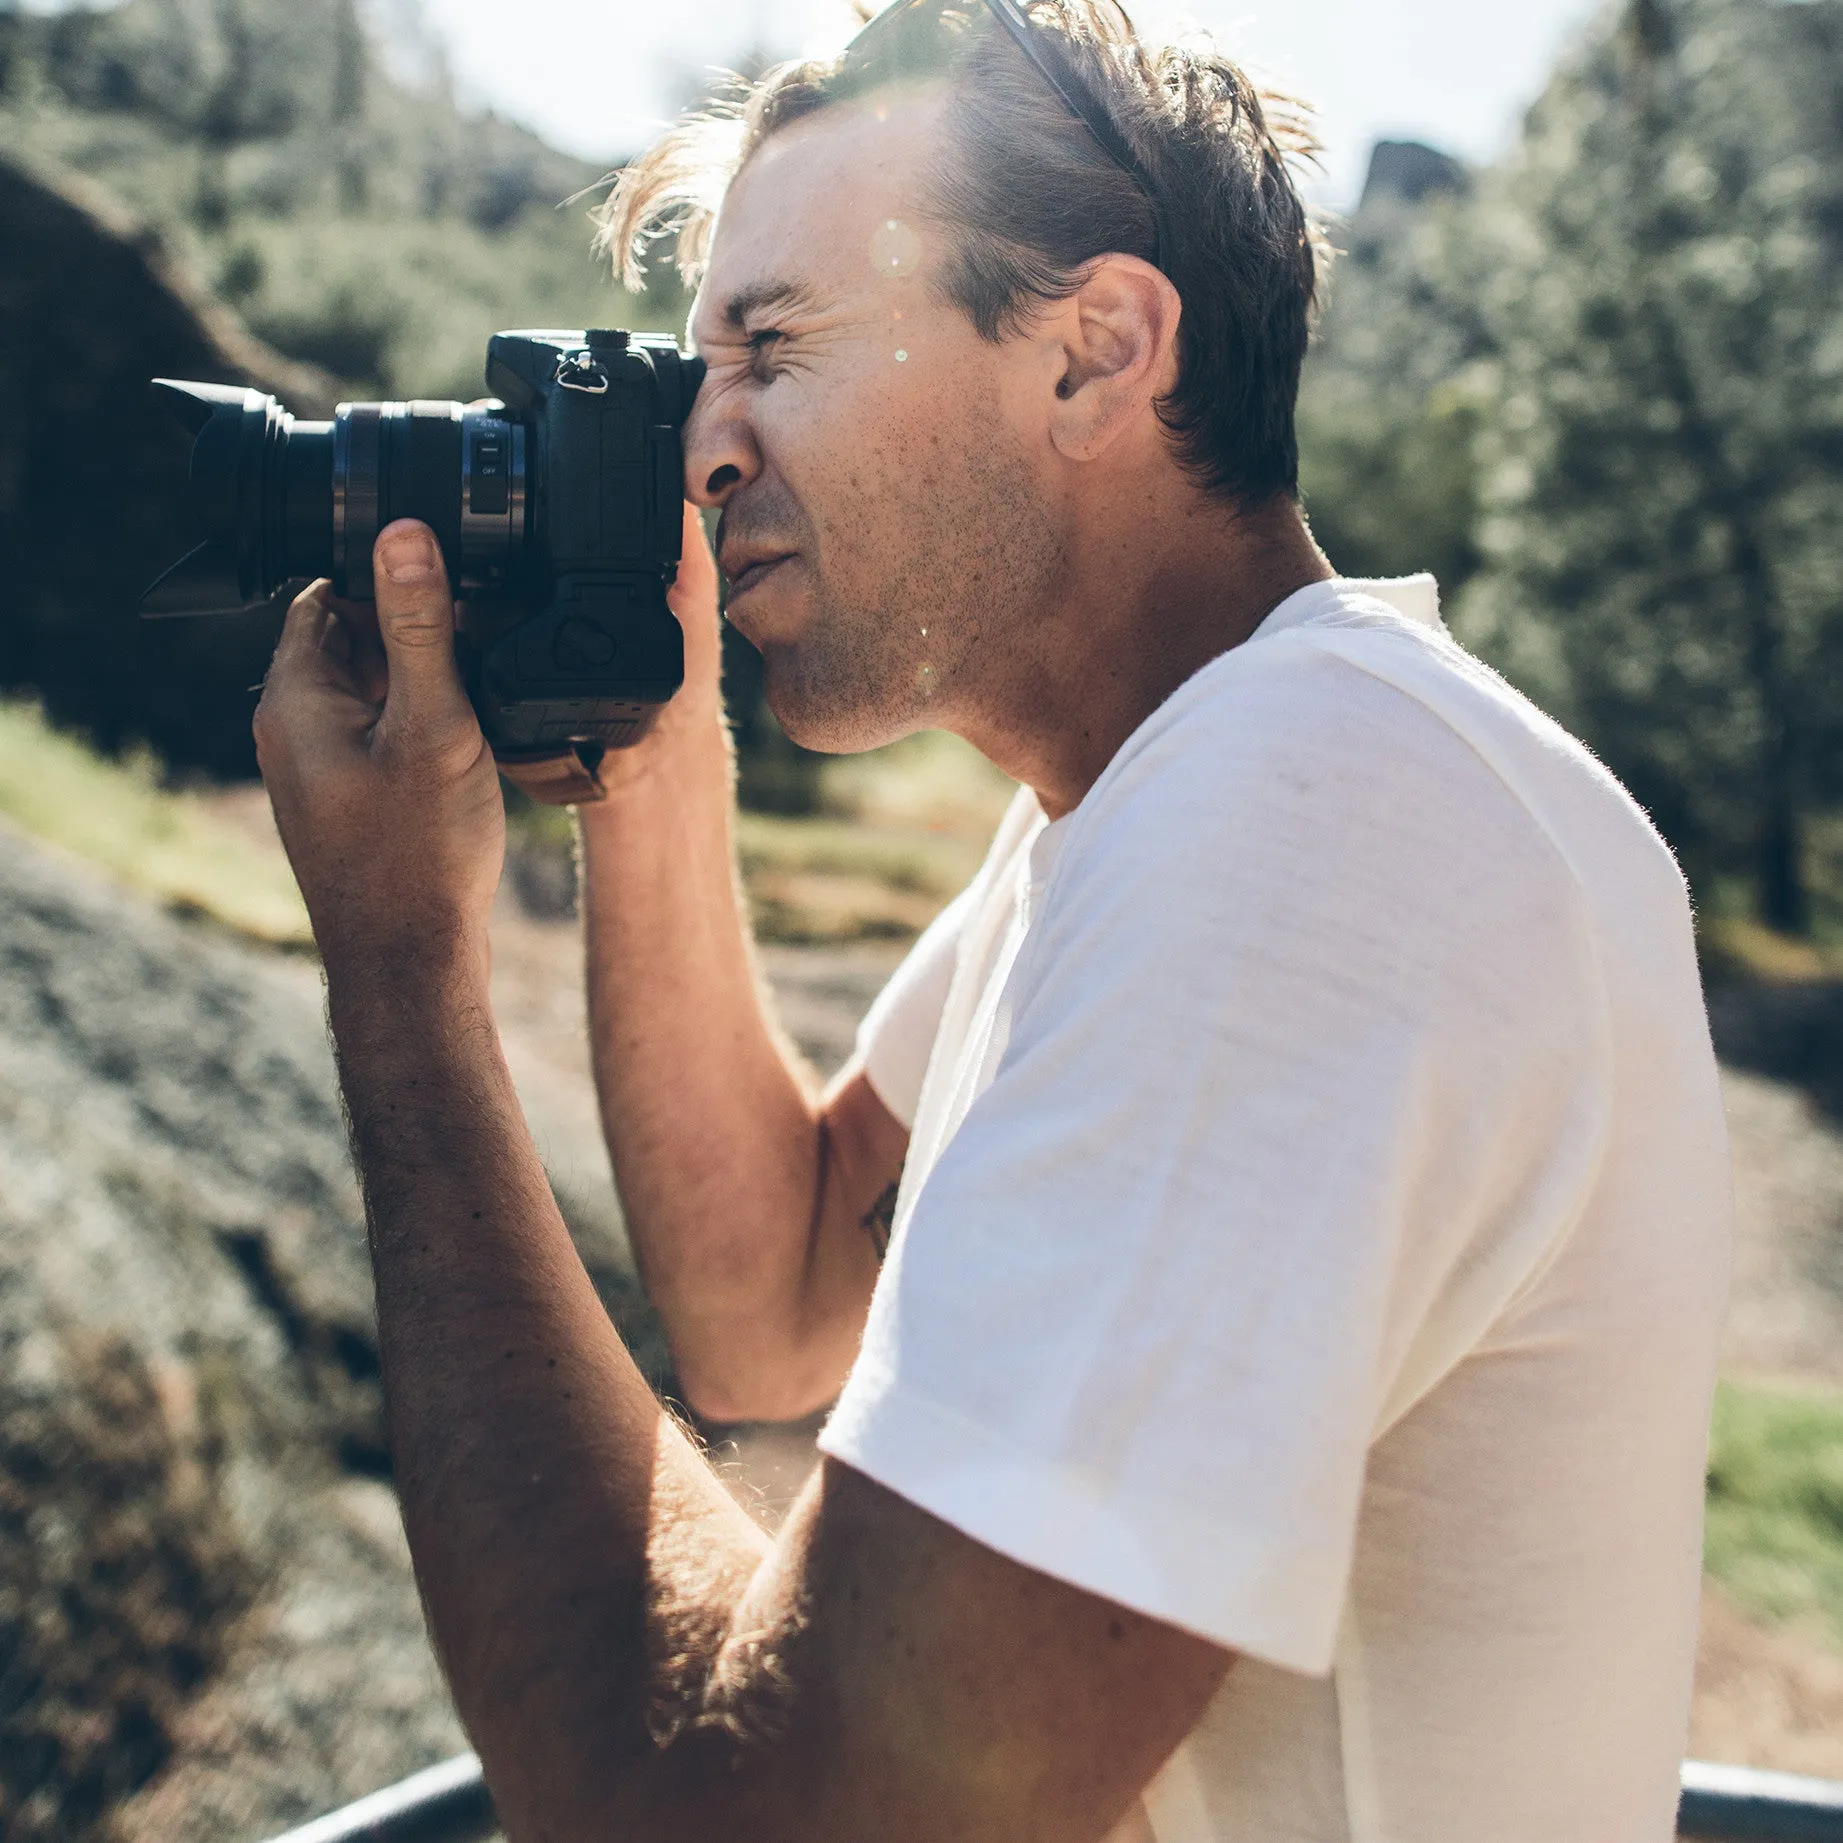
(581, 646)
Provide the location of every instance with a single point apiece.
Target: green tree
(1388, 404)
(1663, 433)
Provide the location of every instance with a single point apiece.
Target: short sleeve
(1305, 1076)
(896, 1038)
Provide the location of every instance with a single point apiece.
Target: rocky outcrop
(208, 1627)
(92, 475)
(1412, 172)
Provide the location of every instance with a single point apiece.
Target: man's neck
(1141, 615)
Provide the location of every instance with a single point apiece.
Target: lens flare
(895, 249)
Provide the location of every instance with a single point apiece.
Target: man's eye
(761, 344)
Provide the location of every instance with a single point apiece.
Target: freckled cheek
(909, 408)
(862, 426)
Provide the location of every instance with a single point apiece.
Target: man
(1281, 1411)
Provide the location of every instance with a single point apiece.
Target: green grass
(903, 832)
(1775, 1504)
(171, 845)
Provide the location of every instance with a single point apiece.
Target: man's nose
(720, 452)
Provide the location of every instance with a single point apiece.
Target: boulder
(208, 1626)
(93, 475)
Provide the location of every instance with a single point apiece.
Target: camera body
(558, 504)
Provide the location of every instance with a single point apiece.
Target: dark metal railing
(1736, 1803)
(449, 1804)
(445, 1804)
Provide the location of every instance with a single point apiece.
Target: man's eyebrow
(758, 297)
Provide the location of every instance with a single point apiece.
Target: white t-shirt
(1315, 1235)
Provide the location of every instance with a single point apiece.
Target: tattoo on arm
(880, 1218)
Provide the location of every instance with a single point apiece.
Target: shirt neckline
(1414, 598)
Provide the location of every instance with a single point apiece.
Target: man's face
(886, 521)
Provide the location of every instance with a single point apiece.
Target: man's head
(954, 341)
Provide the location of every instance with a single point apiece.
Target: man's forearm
(716, 1135)
(537, 1472)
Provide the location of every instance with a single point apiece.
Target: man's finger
(693, 598)
(355, 626)
(305, 626)
(697, 572)
(298, 669)
(416, 623)
(301, 653)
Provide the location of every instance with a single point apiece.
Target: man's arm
(746, 1194)
(632, 1658)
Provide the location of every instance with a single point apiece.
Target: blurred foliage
(1664, 453)
(93, 500)
(1775, 1504)
(1389, 405)
(328, 186)
(1600, 392)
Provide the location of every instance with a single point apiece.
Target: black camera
(558, 504)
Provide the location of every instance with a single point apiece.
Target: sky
(595, 76)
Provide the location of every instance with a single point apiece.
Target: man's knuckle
(266, 724)
(422, 627)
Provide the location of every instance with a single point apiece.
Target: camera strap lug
(581, 370)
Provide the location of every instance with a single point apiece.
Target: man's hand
(384, 789)
(690, 731)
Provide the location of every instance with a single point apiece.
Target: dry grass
(176, 846)
(1736, 948)
(1765, 1696)
(118, 1585)
(901, 832)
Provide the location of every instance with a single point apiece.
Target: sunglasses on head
(1046, 55)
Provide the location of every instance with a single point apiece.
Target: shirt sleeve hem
(1276, 1600)
(881, 1084)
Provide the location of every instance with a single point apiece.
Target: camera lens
(282, 500)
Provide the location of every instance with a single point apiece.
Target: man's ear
(1117, 336)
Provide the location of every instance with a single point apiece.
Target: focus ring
(357, 445)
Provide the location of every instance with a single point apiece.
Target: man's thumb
(416, 619)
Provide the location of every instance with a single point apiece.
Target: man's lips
(743, 579)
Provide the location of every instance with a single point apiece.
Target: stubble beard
(927, 612)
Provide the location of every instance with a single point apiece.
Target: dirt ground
(1786, 1315)
(1769, 1698)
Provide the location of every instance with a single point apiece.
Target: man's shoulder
(1339, 669)
(1347, 712)
(1346, 704)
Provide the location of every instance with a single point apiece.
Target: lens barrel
(460, 469)
(284, 500)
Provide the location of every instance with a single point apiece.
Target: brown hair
(1031, 199)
